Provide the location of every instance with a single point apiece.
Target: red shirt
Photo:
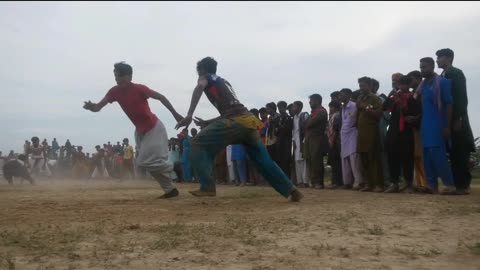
(135, 105)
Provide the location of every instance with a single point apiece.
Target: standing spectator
(271, 136)
(400, 143)
(187, 168)
(68, 149)
(11, 155)
(370, 111)
(462, 137)
(284, 138)
(333, 132)
(383, 124)
(316, 142)
(264, 119)
(119, 149)
(26, 147)
(419, 172)
(239, 158)
(230, 165)
(298, 134)
(128, 158)
(435, 92)
(220, 169)
(351, 164)
(55, 148)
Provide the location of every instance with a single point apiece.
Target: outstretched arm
(197, 94)
(166, 103)
(95, 107)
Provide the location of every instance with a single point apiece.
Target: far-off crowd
(401, 141)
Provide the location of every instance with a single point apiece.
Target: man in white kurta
(298, 136)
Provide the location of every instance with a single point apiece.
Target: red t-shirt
(135, 105)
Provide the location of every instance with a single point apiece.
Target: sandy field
(121, 225)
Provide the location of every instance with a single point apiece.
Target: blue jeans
(187, 168)
(240, 170)
(436, 165)
(220, 133)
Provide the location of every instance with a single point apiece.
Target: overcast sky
(55, 55)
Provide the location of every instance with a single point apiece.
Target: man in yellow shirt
(128, 158)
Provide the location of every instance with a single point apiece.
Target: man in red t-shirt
(150, 133)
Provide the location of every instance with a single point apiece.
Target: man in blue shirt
(436, 97)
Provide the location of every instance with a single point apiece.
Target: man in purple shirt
(348, 137)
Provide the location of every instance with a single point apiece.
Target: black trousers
(459, 159)
(335, 162)
(401, 163)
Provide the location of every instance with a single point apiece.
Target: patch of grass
(413, 253)
(474, 248)
(7, 261)
(410, 253)
(344, 252)
(375, 230)
(319, 248)
(377, 251)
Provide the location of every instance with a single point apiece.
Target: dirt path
(109, 225)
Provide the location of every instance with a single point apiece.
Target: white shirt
(229, 155)
(296, 137)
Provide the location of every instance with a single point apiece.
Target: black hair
(334, 94)
(347, 91)
(272, 106)
(290, 106)
(427, 60)
(282, 104)
(405, 80)
(262, 110)
(415, 74)
(207, 64)
(334, 104)
(355, 94)
(254, 111)
(123, 69)
(298, 104)
(445, 52)
(364, 79)
(193, 130)
(35, 139)
(316, 97)
(375, 83)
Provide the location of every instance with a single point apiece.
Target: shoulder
(140, 87)
(113, 90)
(374, 98)
(445, 82)
(454, 70)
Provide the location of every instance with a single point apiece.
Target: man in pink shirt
(150, 134)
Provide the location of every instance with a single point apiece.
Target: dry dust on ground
(113, 225)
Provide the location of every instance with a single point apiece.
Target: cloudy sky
(57, 55)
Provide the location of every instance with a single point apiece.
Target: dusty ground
(111, 225)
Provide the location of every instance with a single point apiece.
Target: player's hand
(185, 122)
(200, 122)
(178, 117)
(88, 105)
